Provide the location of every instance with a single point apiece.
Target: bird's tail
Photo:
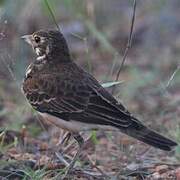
(148, 136)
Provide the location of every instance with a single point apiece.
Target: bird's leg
(65, 139)
(80, 141)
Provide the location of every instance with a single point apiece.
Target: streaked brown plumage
(54, 85)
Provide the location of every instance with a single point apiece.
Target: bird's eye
(37, 39)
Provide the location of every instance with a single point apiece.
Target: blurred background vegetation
(97, 33)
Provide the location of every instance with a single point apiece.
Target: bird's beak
(27, 38)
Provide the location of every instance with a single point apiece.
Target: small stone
(156, 175)
(178, 173)
(161, 169)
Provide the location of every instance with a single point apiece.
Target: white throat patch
(39, 58)
(38, 52)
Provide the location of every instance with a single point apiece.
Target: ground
(97, 34)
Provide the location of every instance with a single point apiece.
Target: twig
(68, 147)
(13, 76)
(167, 163)
(89, 173)
(172, 77)
(129, 43)
(61, 158)
(52, 14)
(37, 116)
(95, 166)
(55, 21)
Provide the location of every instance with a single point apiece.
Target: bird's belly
(74, 126)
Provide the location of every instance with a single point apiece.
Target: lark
(72, 99)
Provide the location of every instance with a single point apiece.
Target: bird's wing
(83, 100)
(50, 94)
(103, 108)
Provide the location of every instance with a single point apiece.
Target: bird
(71, 98)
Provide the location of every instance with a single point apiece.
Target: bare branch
(172, 77)
(129, 43)
(52, 14)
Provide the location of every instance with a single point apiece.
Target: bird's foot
(58, 151)
(68, 170)
(65, 139)
(80, 141)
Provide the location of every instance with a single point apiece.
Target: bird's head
(48, 43)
